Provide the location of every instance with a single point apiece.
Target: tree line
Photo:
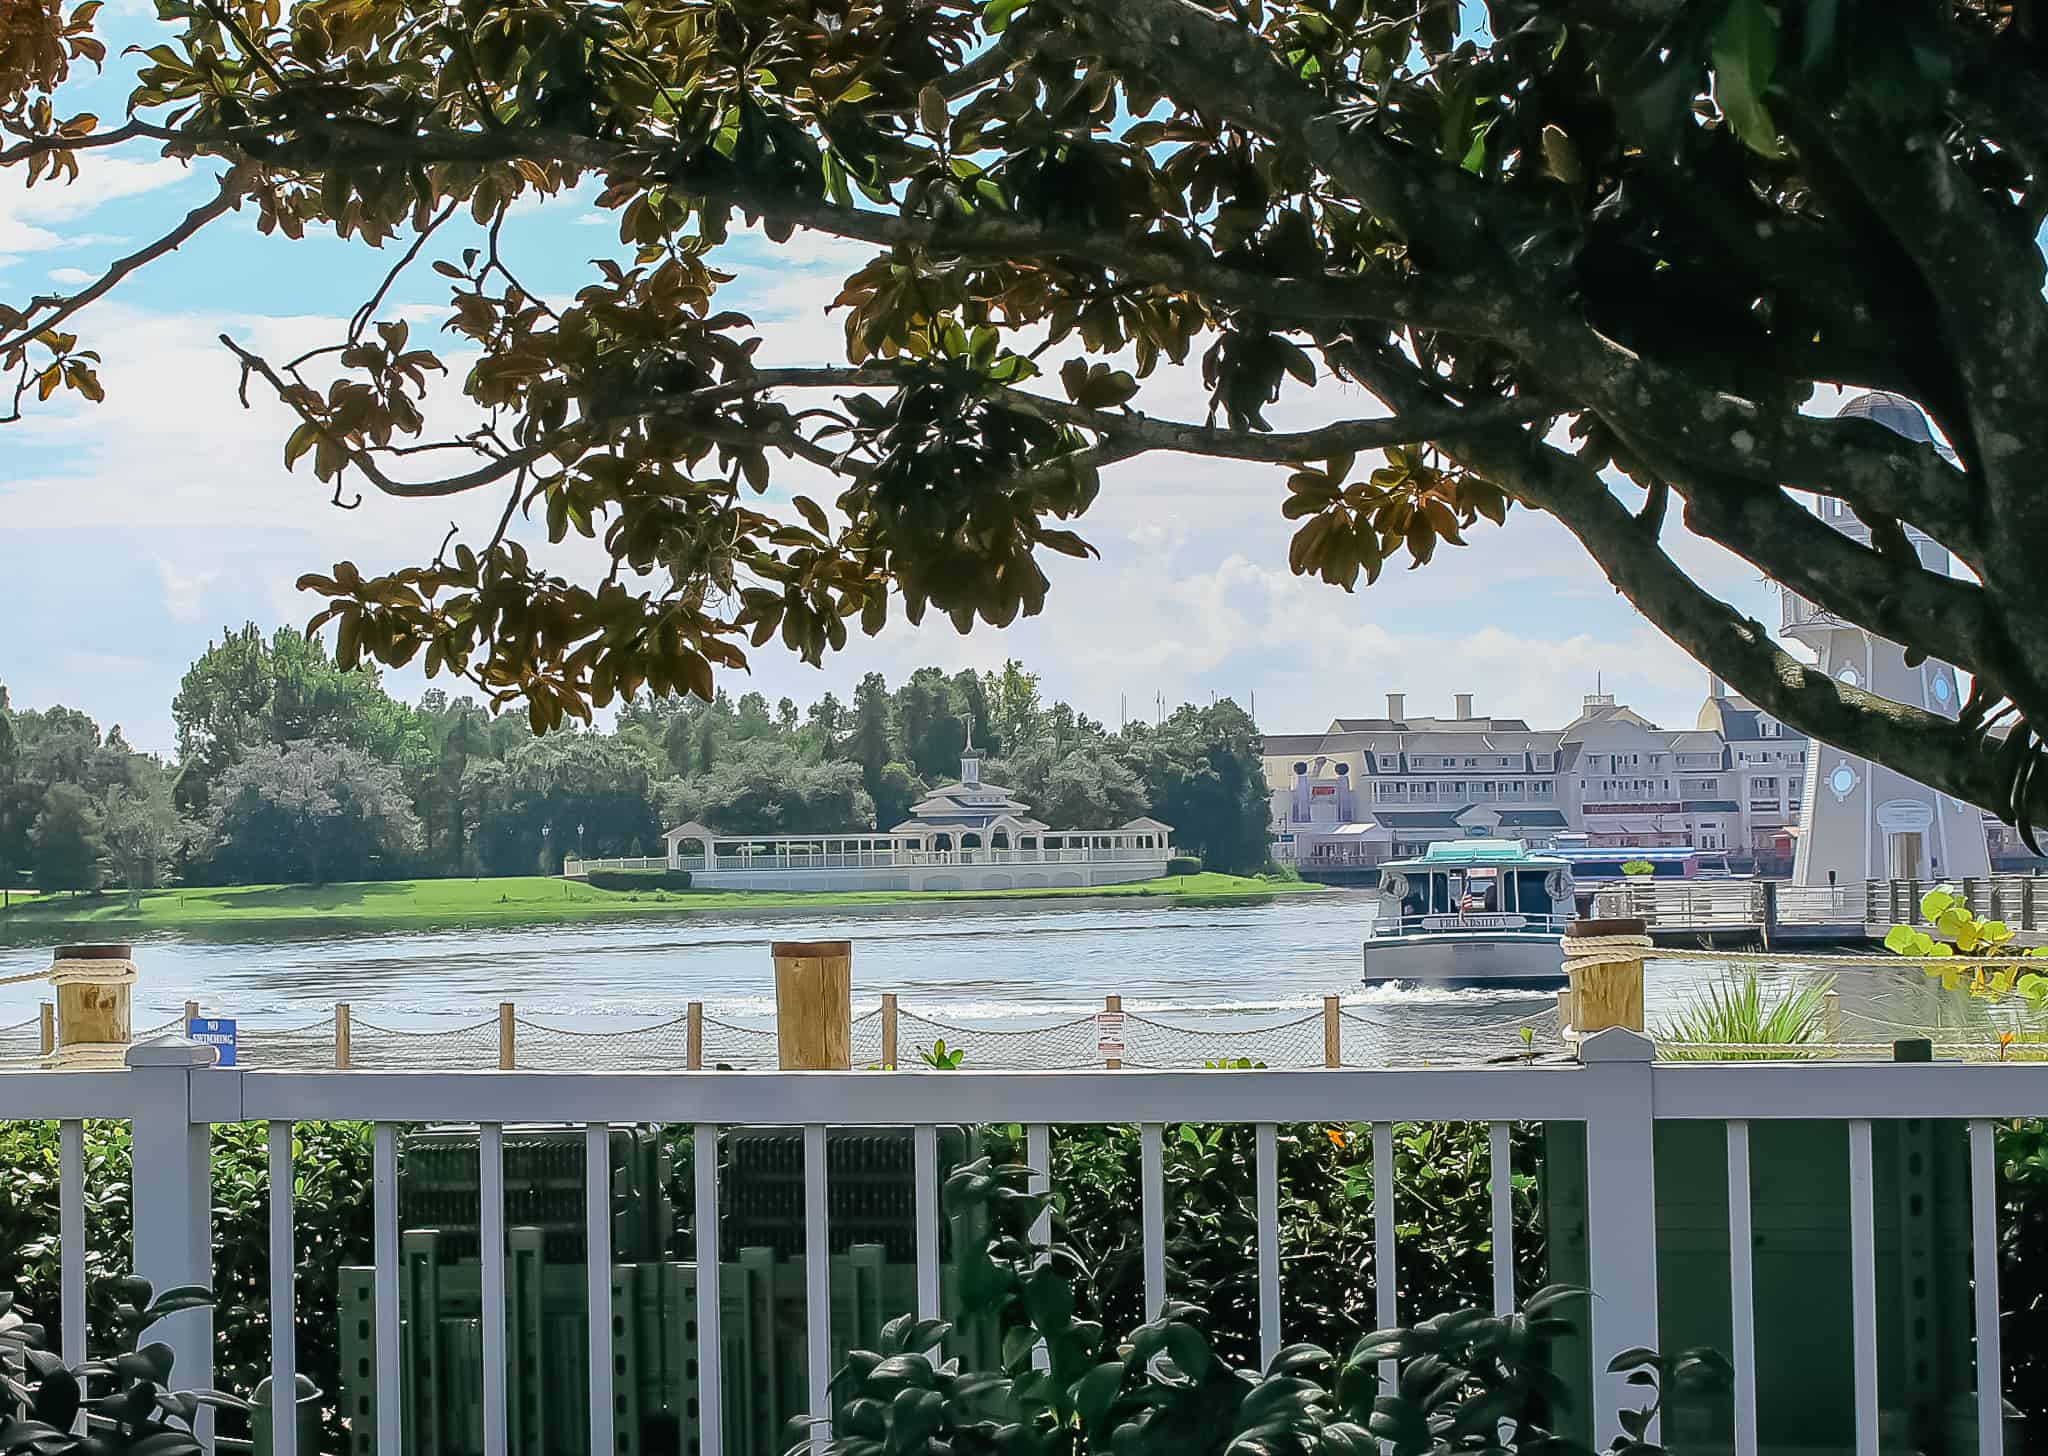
(291, 769)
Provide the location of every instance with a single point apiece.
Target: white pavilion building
(968, 835)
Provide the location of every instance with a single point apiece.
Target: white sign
(1905, 816)
(1109, 1033)
(1473, 922)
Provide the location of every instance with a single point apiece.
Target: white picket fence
(172, 1096)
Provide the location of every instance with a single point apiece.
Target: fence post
(1831, 1017)
(47, 1014)
(508, 1032)
(814, 1005)
(173, 1198)
(1564, 1010)
(1770, 910)
(1610, 994)
(1116, 1004)
(93, 984)
(191, 1014)
(1333, 1033)
(1621, 1214)
(341, 1036)
(889, 1031)
(693, 1037)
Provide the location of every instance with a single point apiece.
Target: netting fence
(1334, 1034)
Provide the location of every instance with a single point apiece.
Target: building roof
(1694, 741)
(1419, 818)
(1144, 821)
(1894, 411)
(1533, 819)
(1279, 744)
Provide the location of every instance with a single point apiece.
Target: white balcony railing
(172, 1098)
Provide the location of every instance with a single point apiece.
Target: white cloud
(183, 589)
(71, 277)
(27, 214)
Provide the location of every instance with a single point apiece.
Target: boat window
(1530, 898)
(1481, 892)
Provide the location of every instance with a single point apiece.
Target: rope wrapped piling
(1604, 961)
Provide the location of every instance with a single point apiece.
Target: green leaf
(1096, 1391)
(1745, 51)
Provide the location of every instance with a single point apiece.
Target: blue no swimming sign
(218, 1031)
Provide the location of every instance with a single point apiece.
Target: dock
(1770, 913)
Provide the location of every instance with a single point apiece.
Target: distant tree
(930, 725)
(707, 740)
(549, 792)
(826, 720)
(751, 719)
(1090, 787)
(247, 691)
(310, 812)
(14, 820)
(1204, 773)
(678, 742)
(1018, 714)
(896, 789)
(970, 698)
(871, 742)
(65, 845)
(142, 830)
(767, 789)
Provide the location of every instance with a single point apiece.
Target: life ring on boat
(1394, 885)
(1557, 885)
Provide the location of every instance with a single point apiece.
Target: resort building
(1371, 789)
(968, 835)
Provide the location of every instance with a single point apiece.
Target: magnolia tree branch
(48, 313)
(1946, 754)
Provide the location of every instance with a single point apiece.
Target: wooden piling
(814, 1005)
(191, 1015)
(1607, 995)
(341, 1036)
(1115, 1004)
(1333, 1033)
(48, 1016)
(693, 1037)
(889, 1063)
(92, 1012)
(507, 1037)
(1831, 1018)
(1564, 1009)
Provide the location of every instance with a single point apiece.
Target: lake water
(978, 964)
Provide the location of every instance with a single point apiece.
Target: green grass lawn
(533, 897)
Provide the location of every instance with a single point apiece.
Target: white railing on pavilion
(172, 1096)
(795, 857)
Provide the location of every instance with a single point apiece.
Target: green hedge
(639, 879)
(1184, 864)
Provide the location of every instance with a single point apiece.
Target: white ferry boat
(1471, 912)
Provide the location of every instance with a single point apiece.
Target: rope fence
(1364, 1032)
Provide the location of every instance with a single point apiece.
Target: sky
(133, 532)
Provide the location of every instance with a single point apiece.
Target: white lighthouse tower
(1860, 820)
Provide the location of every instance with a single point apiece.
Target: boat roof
(1453, 853)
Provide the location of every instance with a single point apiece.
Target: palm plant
(1736, 1012)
